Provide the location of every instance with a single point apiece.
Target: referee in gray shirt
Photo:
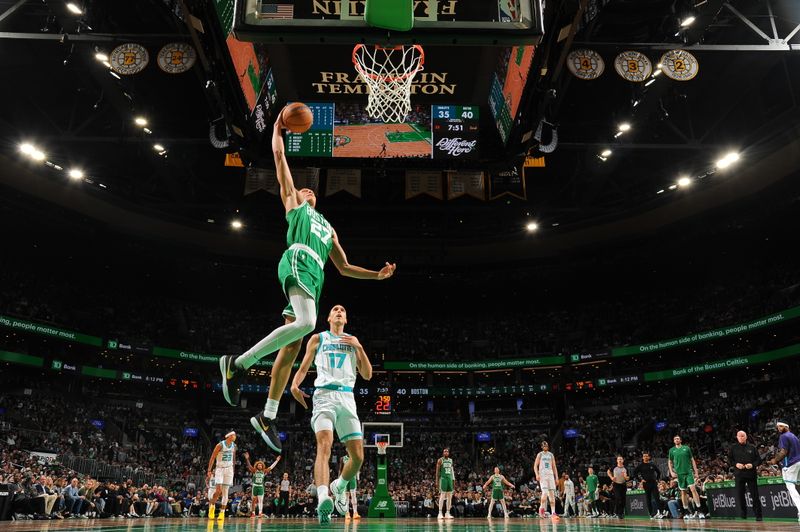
(619, 478)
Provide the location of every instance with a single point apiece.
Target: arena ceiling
(744, 99)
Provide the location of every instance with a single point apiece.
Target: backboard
(442, 22)
(382, 431)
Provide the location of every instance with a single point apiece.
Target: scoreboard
(455, 131)
(317, 141)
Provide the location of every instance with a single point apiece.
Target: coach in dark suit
(744, 459)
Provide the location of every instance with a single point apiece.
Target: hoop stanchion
(388, 73)
(382, 504)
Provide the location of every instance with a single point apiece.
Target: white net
(388, 73)
(382, 446)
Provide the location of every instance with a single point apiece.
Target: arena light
(606, 153)
(684, 182)
(38, 155)
(728, 160)
(106, 64)
(660, 191)
(657, 72)
(624, 127)
(650, 82)
(27, 148)
(687, 21)
(236, 224)
(103, 58)
(140, 121)
(158, 147)
(74, 9)
(673, 187)
(532, 227)
(75, 174)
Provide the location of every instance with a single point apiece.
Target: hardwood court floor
(366, 141)
(398, 525)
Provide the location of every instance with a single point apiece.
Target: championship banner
(48, 330)
(256, 179)
(423, 182)
(343, 180)
(509, 182)
(304, 178)
(469, 183)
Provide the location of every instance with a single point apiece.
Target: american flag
(277, 11)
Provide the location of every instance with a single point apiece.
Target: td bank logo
(112, 344)
(126, 376)
(601, 382)
(575, 358)
(56, 365)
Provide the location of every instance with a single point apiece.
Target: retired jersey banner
(343, 180)
(256, 179)
(509, 182)
(305, 178)
(466, 183)
(423, 182)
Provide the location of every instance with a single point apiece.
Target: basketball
(297, 117)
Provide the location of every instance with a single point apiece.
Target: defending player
(683, 467)
(224, 455)
(351, 489)
(546, 473)
(337, 356)
(311, 241)
(259, 472)
(445, 474)
(497, 481)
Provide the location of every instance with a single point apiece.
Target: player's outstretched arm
(302, 371)
(273, 464)
(247, 462)
(339, 259)
(487, 483)
(289, 195)
(507, 483)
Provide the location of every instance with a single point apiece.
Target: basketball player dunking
(223, 454)
(311, 241)
(445, 475)
(546, 472)
(337, 356)
(497, 481)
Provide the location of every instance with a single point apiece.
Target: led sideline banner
(772, 319)
(472, 366)
(775, 500)
(166, 352)
(48, 330)
(718, 365)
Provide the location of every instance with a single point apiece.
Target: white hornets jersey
(225, 455)
(335, 362)
(546, 463)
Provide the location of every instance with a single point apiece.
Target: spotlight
(106, 64)
(673, 187)
(37, 155)
(100, 56)
(74, 9)
(158, 147)
(660, 191)
(76, 174)
(27, 148)
(114, 74)
(140, 121)
(650, 82)
(728, 160)
(236, 224)
(606, 153)
(687, 21)
(625, 126)
(657, 72)
(148, 131)
(684, 182)
(532, 227)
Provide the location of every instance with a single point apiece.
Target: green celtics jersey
(309, 228)
(258, 478)
(591, 483)
(497, 482)
(446, 469)
(681, 458)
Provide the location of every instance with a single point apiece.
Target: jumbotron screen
(430, 132)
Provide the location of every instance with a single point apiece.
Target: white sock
(271, 409)
(305, 310)
(322, 492)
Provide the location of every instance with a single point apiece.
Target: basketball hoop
(382, 445)
(388, 73)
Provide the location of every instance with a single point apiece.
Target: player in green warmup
(311, 241)
(445, 474)
(259, 472)
(497, 481)
(683, 467)
(591, 491)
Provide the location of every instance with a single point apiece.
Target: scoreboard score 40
(455, 131)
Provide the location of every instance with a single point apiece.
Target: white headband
(231, 433)
(782, 424)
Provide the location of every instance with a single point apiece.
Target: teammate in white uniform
(224, 454)
(546, 473)
(337, 357)
(569, 497)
